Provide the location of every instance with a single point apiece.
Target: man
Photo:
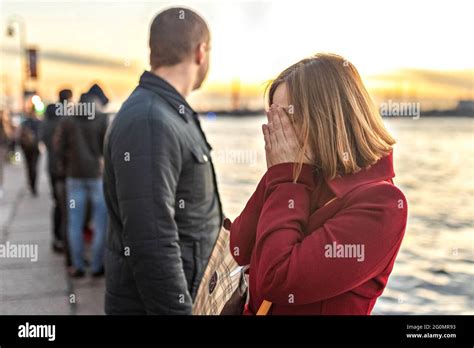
(56, 179)
(160, 185)
(29, 141)
(79, 145)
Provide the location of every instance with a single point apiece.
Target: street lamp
(13, 23)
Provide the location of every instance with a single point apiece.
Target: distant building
(466, 106)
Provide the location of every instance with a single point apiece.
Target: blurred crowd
(72, 138)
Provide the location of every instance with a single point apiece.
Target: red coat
(310, 258)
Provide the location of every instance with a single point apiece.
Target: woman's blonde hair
(335, 115)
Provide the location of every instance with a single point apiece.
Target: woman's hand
(281, 142)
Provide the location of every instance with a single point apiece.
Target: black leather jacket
(163, 203)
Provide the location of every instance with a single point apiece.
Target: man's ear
(201, 51)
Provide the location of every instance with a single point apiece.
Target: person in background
(56, 178)
(6, 132)
(29, 143)
(79, 145)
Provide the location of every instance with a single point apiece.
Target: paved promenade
(41, 286)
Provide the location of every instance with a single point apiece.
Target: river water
(434, 160)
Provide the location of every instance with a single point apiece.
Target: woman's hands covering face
(281, 142)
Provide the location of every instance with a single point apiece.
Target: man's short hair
(174, 35)
(65, 94)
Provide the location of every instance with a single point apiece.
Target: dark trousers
(59, 212)
(59, 206)
(31, 158)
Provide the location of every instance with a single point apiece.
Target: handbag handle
(266, 305)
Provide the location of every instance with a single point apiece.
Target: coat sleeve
(147, 165)
(60, 145)
(244, 227)
(298, 268)
(103, 130)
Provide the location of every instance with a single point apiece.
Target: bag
(223, 288)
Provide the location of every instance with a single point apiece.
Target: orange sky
(403, 49)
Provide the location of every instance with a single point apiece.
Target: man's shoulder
(146, 108)
(143, 115)
(145, 104)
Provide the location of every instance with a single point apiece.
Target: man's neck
(179, 76)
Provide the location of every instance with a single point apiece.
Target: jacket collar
(164, 89)
(380, 171)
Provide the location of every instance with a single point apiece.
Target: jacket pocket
(197, 274)
(202, 175)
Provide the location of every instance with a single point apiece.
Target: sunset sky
(406, 49)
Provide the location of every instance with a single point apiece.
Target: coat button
(204, 157)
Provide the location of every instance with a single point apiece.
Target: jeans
(79, 191)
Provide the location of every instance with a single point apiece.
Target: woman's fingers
(275, 118)
(269, 115)
(268, 145)
(279, 136)
(282, 121)
(285, 119)
(287, 126)
(266, 137)
(272, 136)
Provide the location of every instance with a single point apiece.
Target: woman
(323, 228)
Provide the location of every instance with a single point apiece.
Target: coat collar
(380, 171)
(165, 90)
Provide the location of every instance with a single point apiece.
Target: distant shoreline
(446, 113)
(261, 112)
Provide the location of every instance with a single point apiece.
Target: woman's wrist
(284, 172)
